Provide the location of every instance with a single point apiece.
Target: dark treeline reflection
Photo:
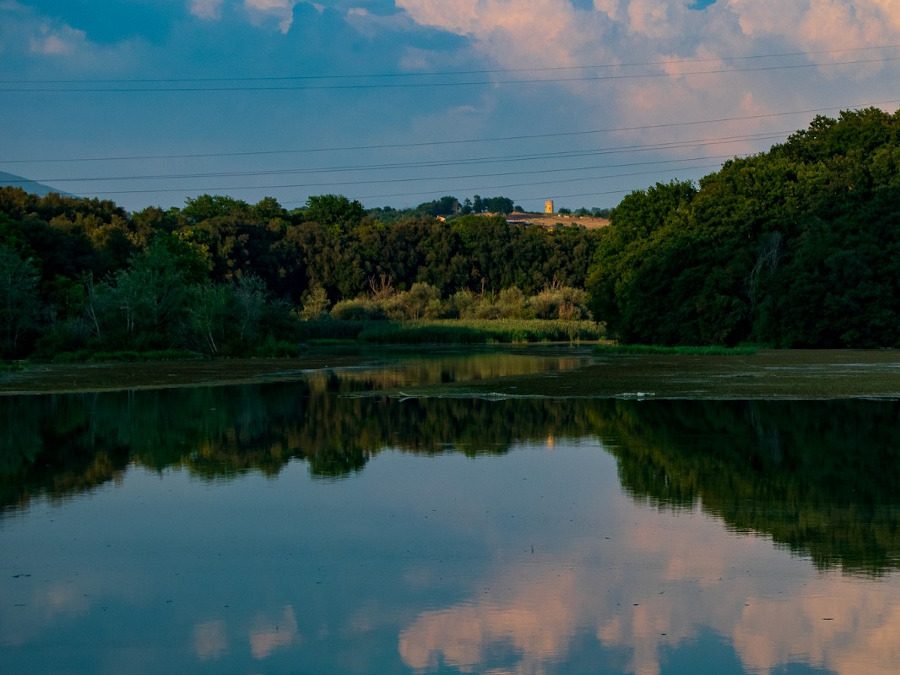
(819, 477)
(59, 445)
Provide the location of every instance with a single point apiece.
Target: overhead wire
(450, 73)
(441, 191)
(566, 154)
(406, 180)
(554, 182)
(446, 73)
(447, 142)
(429, 85)
(558, 155)
(417, 179)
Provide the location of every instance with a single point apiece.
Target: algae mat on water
(766, 374)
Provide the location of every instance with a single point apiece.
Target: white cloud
(282, 10)
(208, 10)
(515, 33)
(612, 8)
(655, 18)
(820, 24)
(258, 11)
(58, 41)
(550, 27)
(553, 33)
(372, 24)
(45, 41)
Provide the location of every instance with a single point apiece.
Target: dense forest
(798, 246)
(795, 247)
(221, 276)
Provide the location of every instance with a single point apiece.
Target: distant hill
(35, 188)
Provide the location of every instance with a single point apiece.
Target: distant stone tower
(548, 206)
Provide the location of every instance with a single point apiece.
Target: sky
(398, 102)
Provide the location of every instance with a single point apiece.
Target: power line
(423, 144)
(555, 182)
(441, 191)
(418, 165)
(446, 73)
(554, 196)
(424, 85)
(420, 179)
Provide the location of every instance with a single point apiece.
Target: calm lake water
(336, 525)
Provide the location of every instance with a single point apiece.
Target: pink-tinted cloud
(57, 41)
(281, 10)
(210, 640)
(268, 635)
(697, 74)
(208, 10)
(704, 579)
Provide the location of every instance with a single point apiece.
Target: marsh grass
(447, 331)
(323, 330)
(481, 331)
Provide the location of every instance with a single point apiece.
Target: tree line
(220, 275)
(795, 247)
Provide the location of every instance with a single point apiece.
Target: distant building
(548, 206)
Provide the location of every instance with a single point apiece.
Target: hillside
(33, 187)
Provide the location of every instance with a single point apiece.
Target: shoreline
(767, 374)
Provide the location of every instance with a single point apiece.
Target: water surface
(335, 525)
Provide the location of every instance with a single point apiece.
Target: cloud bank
(784, 52)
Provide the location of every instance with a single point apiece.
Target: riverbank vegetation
(222, 277)
(795, 247)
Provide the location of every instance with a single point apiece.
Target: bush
(560, 302)
(275, 348)
(461, 305)
(315, 304)
(359, 309)
(512, 304)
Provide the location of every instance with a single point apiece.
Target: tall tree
(18, 299)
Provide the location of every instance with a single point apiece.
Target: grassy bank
(475, 331)
(349, 334)
(452, 331)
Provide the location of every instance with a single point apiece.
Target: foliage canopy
(795, 247)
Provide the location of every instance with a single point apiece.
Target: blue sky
(395, 102)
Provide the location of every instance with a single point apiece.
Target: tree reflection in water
(817, 477)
